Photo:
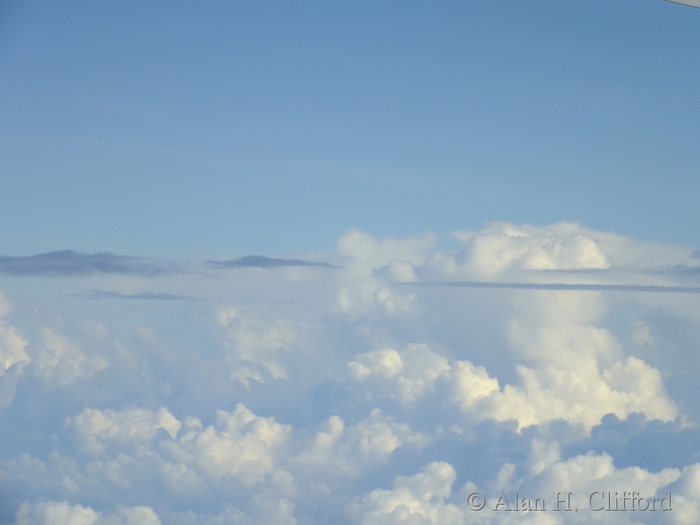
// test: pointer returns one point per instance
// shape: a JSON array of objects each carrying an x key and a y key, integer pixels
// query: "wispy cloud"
[
  {"x": 148, "y": 296},
  {"x": 259, "y": 261},
  {"x": 69, "y": 263},
  {"x": 560, "y": 286},
  {"x": 678, "y": 268}
]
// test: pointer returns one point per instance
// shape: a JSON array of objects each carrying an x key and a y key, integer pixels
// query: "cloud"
[
  {"x": 240, "y": 444},
  {"x": 409, "y": 374},
  {"x": 430, "y": 497},
  {"x": 581, "y": 393},
  {"x": 561, "y": 286},
  {"x": 363, "y": 290},
  {"x": 145, "y": 455},
  {"x": 50, "y": 512},
  {"x": 316, "y": 396},
  {"x": 416, "y": 500},
  {"x": 69, "y": 263},
  {"x": 638, "y": 441},
  {"x": 348, "y": 451},
  {"x": 98, "y": 428},
  {"x": 505, "y": 247},
  {"x": 259, "y": 261},
  {"x": 61, "y": 361},
  {"x": 12, "y": 348},
  {"x": 256, "y": 342},
  {"x": 143, "y": 296},
  {"x": 13, "y": 355}
]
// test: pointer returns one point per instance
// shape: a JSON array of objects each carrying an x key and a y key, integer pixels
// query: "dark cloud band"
[
  {"x": 69, "y": 263},
  {"x": 148, "y": 296},
  {"x": 561, "y": 286},
  {"x": 259, "y": 261}
]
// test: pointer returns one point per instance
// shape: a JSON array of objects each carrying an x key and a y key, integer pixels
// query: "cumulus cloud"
[
  {"x": 417, "y": 499},
  {"x": 349, "y": 450},
  {"x": 638, "y": 441},
  {"x": 239, "y": 444},
  {"x": 504, "y": 247},
  {"x": 13, "y": 356},
  {"x": 582, "y": 393},
  {"x": 255, "y": 342},
  {"x": 62, "y": 361},
  {"x": 361, "y": 292},
  {"x": 98, "y": 428},
  {"x": 430, "y": 497},
  {"x": 519, "y": 361},
  {"x": 12, "y": 348},
  {"x": 408, "y": 374},
  {"x": 51, "y": 512}
]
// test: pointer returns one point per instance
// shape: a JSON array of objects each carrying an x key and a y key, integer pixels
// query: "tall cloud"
[{"x": 296, "y": 390}]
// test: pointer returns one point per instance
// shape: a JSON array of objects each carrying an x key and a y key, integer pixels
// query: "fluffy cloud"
[
  {"x": 361, "y": 292},
  {"x": 61, "y": 361},
  {"x": 239, "y": 444},
  {"x": 504, "y": 247},
  {"x": 581, "y": 393},
  {"x": 13, "y": 356},
  {"x": 98, "y": 428},
  {"x": 687, "y": 496},
  {"x": 355, "y": 390},
  {"x": 410, "y": 374},
  {"x": 350, "y": 450},
  {"x": 52, "y": 512},
  {"x": 429, "y": 497},
  {"x": 255, "y": 342},
  {"x": 417, "y": 499}
]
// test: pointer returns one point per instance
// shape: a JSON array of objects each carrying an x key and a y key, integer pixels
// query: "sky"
[
  {"x": 366, "y": 263},
  {"x": 174, "y": 129}
]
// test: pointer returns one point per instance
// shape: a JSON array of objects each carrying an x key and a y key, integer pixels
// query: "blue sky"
[
  {"x": 299, "y": 263},
  {"x": 180, "y": 129}
]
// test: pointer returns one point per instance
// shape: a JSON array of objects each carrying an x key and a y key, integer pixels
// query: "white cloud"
[
  {"x": 13, "y": 356},
  {"x": 125, "y": 406},
  {"x": 255, "y": 342},
  {"x": 5, "y": 305},
  {"x": 350, "y": 450},
  {"x": 504, "y": 247},
  {"x": 98, "y": 428},
  {"x": 55, "y": 513},
  {"x": 687, "y": 496},
  {"x": 580, "y": 393},
  {"x": 60, "y": 360},
  {"x": 582, "y": 396},
  {"x": 266, "y": 511},
  {"x": 641, "y": 333},
  {"x": 239, "y": 444},
  {"x": 128, "y": 448},
  {"x": 417, "y": 500},
  {"x": 362, "y": 291},
  {"x": 410, "y": 373},
  {"x": 428, "y": 497}
]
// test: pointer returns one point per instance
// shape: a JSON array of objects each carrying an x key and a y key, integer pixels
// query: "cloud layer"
[
  {"x": 69, "y": 263},
  {"x": 301, "y": 395}
]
